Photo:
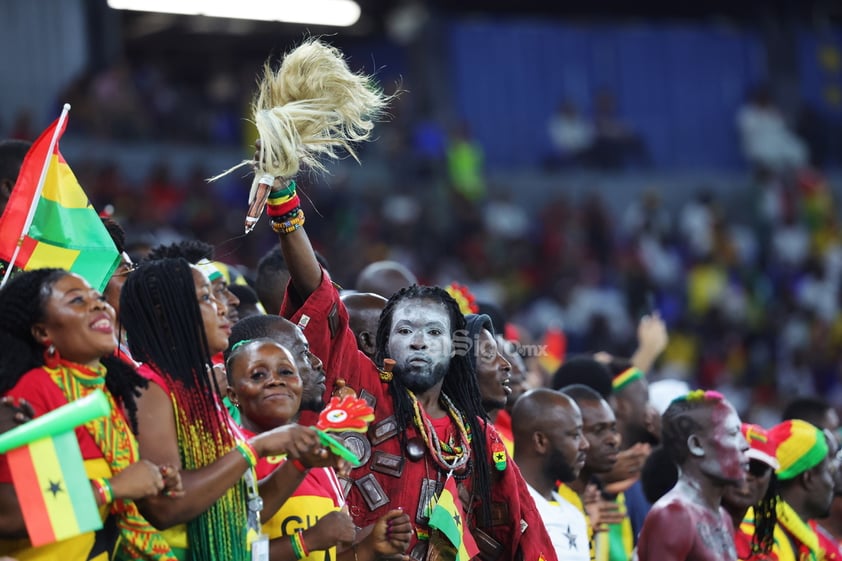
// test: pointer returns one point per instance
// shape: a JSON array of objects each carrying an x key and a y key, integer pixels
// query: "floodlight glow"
[{"x": 340, "y": 13}]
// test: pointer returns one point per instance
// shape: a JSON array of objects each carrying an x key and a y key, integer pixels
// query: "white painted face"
[{"x": 420, "y": 343}]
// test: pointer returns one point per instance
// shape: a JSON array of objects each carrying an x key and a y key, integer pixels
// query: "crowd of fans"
[{"x": 747, "y": 278}]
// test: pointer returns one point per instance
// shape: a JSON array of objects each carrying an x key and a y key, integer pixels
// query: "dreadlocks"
[
  {"x": 766, "y": 518},
  {"x": 460, "y": 385},
  {"x": 22, "y": 304},
  {"x": 164, "y": 327}
]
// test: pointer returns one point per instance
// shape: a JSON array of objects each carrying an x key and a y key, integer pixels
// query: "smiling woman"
[
  {"x": 58, "y": 339},
  {"x": 174, "y": 325}
]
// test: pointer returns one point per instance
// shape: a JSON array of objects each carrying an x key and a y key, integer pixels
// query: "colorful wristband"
[
  {"x": 103, "y": 490},
  {"x": 248, "y": 452},
  {"x": 284, "y": 207},
  {"x": 298, "y": 548}
]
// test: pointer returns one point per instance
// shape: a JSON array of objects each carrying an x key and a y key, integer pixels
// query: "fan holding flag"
[{"x": 58, "y": 338}]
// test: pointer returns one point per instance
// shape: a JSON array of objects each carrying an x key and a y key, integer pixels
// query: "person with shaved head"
[
  {"x": 363, "y": 317},
  {"x": 550, "y": 447},
  {"x": 384, "y": 278}
]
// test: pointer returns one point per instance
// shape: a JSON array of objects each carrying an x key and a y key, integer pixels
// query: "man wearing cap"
[
  {"x": 805, "y": 480},
  {"x": 701, "y": 433}
]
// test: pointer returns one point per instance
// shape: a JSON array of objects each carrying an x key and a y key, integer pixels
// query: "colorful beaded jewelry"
[
  {"x": 289, "y": 226},
  {"x": 449, "y": 458}
]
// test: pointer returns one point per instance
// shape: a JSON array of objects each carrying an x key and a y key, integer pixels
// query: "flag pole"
[{"x": 34, "y": 205}]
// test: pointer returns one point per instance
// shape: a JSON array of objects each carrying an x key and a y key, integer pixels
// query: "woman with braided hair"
[
  {"x": 58, "y": 340},
  {"x": 174, "y": 325}
]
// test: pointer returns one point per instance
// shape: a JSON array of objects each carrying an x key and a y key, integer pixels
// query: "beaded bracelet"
[
  {"x": 245, "y": 448},
  {"x": 289, "y": 226},
  {"x": 103, "y": 490}
]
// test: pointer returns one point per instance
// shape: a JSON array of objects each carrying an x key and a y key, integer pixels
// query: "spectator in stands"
[
  {"x": 767, "y": 139},
  {"x": 572, "y": 137}
]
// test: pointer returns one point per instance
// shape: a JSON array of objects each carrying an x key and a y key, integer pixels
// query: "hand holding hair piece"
[{"x": 307, "y": 110}]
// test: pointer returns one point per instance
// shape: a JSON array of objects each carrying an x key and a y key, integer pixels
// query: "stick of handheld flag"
[
  {"x": 34, "y": 205},
  {"x": 57, "y": 421}
]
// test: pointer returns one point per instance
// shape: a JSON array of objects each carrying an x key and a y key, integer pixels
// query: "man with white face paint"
[
  {"x": 429, "y": 420},
  {"x": 701, "y": 433}
]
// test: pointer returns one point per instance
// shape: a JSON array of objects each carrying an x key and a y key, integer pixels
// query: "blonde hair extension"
[{"x": 310, "y": 107}]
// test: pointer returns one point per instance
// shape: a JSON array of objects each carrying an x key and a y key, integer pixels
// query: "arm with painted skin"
[
  {"x": 667, "y": 535},
  {"x": 158, "y": 441}
]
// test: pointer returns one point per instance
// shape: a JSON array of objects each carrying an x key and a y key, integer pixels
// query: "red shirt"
[
  {"x": 44, "y": 395},
  {"x": 324, "y": 320}
]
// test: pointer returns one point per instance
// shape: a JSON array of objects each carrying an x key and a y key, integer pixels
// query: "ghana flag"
[
  {"x": 48, "y": 472},
  {"x": 49, "y": 222},
  {"x": 448, "y": 517}
]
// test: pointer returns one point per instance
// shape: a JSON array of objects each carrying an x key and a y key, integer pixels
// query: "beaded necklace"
[
  {"x": 116, "y": 441},
  {"x": 448, "y": 457}
]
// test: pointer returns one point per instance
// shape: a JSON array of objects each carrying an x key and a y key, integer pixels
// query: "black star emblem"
[
  {"x": 571, "y": 539},
  {"x": 499, "y": 456},
  {"x": 55, "y": 488},
  {"x": 458, "y": 520}
]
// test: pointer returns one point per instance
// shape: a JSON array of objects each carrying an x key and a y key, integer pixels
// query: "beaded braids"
[
  {"x": 460, "y": 385},
  {"x": 164, "y": 327},
  {"x": 22, "y": 303}
]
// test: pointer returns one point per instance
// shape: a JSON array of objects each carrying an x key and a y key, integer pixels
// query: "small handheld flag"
[
  {"x": 448, "y": 517},
  {"x": 48, "y": 472}
]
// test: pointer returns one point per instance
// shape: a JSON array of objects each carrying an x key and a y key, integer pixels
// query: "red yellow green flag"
[
  {"x": 51, "y": 219},
  {"x": 48, "y": 472},
  {"x": 448, "y": 517},
  {"x": 58, "y": 502}
]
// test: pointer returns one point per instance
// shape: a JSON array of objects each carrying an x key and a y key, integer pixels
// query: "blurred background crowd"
[{"x": 579, "y": 167}]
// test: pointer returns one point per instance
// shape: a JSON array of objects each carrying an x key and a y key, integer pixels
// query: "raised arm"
[{"x": 305, "y": 271}]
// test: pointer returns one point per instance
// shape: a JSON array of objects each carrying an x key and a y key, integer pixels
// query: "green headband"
[{"x": 625, "y": 378}]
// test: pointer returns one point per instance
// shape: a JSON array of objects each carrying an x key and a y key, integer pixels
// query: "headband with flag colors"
[
  {"x": 800, "y": 447},
  {"x": 49, "y": 221},
  {"x": 211, "y": 270},
  {"x": 761, "y": 447},
  {"x": 625, "y": 378}
]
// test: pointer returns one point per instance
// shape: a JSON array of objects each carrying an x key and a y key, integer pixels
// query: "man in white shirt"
[{"x": 550, "y": 447}]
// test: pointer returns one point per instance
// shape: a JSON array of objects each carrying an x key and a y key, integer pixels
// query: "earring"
[{"x": 51, "y": 356}]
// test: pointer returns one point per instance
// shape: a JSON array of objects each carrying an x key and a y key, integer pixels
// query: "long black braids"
[
  {"x": 766, "y": 518},
  {"x": 460, "y": 385},
  {"x": 160, "y": 312},
  {"x": 22, "y": 303}
]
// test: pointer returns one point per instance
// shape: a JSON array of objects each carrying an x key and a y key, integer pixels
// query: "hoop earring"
[{"x": 51, "y": 356}]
